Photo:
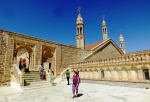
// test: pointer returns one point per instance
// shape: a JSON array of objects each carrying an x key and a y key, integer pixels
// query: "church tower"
[
  {"x": 104, "y": 29},
  {"x": 80, "y": 31},
  {"x": 122, "y": 45}
]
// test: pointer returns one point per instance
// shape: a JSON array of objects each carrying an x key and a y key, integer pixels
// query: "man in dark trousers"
[{"x": 68, "y": 76}]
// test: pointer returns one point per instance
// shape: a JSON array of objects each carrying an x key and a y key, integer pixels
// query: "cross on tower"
[
  {"x": 120, "y": 31},
  {"x": 103, "y": 16},
  {"x": 79, "y": 9}
]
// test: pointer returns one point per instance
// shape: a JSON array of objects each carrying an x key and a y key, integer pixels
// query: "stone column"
[
  {"x": 140, "y": 75},
  {"x": 38, "y": 56},
  {"x": 106, "y": 75},
  {"x": 149, "y": 73},
  {"x": 120, "y": 75},
  {"x": 129, "y": 75},
  {"x": 100, "y": 76},
  {"x": 50, "y": 76},
  {"x": 112, "y": 74}
]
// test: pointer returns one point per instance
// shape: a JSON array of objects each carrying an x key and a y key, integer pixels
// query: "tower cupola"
[
  {"x": 104, "y": 29},
  {"x": 121, "y": 40},
  {"x": 80, "y": 31}
]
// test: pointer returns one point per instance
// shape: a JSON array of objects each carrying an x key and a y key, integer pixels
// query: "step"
[
  {"x": 32, "y": 76},
  {"x": 37, "y": 85}
]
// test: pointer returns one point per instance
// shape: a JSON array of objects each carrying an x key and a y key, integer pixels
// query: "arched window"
[
  {"x": 105, "y": 30},
  {"x": 80, "y": 30}
]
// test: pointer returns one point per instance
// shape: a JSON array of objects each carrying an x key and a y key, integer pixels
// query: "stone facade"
[
  {"x": 108, "y": 51},
  {"x": 35, "y": 51},
  {"x": 106, "y": 62},
  {"x": 132, "y": 67}
]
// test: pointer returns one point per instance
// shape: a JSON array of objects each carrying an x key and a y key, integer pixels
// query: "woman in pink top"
[{"x": 75, "y": 84}]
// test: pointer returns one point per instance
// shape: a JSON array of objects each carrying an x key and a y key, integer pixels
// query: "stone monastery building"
[{"x": 102, "y": 60}]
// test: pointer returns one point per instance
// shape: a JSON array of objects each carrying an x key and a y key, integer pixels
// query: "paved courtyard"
[{"x": 87, "y": 93}]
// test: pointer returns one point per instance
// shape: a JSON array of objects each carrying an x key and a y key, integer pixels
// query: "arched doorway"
[
  {"x": 102, "y": 74},
  {"x": 145, "y": 74},
  {"x": 23, "y": 57}
]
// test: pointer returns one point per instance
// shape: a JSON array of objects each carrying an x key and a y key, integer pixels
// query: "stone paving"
[
  {"x": 125, "y": 84},
  {"x": 87, "y": 93}
]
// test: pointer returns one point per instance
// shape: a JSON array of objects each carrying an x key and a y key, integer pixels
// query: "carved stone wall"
[
  {"x": 6, "y": 53},
  {"x": 108, "y": 51},
  {"x": 2, "y": 55}
]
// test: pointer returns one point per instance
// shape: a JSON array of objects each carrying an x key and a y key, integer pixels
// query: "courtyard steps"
[
  {"x": 32, "y": 76},
  {"x": 36, "y": 85},
  {"x": 33, "y": 81}
]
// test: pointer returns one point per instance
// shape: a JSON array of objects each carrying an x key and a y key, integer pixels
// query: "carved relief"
[{"x": 46, "y": 53}]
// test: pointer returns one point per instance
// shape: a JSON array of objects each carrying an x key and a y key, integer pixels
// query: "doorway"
[
  {"x": 145, "y": 74},
  {"x": 102, "y": 74}
]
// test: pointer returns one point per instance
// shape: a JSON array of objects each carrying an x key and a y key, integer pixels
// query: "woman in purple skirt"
[{"x": 75, "y": 84}]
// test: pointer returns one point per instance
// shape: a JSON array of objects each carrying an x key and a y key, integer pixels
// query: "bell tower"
[
  {"x": 121, "y": 40},
  {"x": 104, "y": 29},
  {"x": 80, "y": 31}
]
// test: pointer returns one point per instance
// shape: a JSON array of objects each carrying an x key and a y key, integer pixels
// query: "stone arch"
[
  {"x": 145, "y": 72},
  {"x": 23, "y": 57},
  {"x": 46, "y": 53},
  {"x": 29, "y": 50},
  {"x": 144, "y": 67}
]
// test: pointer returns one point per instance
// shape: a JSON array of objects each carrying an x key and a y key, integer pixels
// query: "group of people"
[
  {"x": 22, "y": 63},
  {"x": 76, "y": 81},
  {"x": 43, "y": 74}
]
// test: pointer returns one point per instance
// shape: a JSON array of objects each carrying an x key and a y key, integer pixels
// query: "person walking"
[
  {"x": 41, "y": 71},
  {"x": 20, "y": 64},
  {"x": 52, "y": 77},
  {"x": 68, "y": 76},
  {"x": 75, "y": 84}
]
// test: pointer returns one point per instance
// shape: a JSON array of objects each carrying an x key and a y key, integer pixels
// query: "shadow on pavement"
[{"x": 79, "y": 95}]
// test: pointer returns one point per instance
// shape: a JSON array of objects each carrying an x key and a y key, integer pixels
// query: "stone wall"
[
  {"x": 6, "y": 56},
  {"x": 108, "y": 51},
  {"x": 68, "y": 55},
  {"x": 2, "y": 56}
]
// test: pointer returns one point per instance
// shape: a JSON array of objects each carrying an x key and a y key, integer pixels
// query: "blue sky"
[{"x": 55, "y": 20}]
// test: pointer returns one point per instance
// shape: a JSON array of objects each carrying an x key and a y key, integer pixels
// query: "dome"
[
  {"x": 103, "y": 23},
  {"x": 79, "y": 19},
  {"x": 121, "y": 38}
]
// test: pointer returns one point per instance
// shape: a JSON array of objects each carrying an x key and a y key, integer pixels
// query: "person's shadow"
[{"x": 79, "y": 95}]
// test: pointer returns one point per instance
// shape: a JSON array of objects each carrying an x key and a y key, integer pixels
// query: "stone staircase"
[
  {"x": 33, "y": 81},
  {"x": 32, "y": 76}
]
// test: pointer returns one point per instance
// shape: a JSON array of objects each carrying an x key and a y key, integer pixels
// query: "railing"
[
  {"x": 48, "y": 75},
  {"x": 18, "y": 77},
  {"x": 62, "y": 75},
  {"x": 131, "y": 58}
]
